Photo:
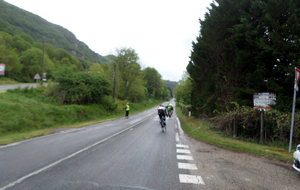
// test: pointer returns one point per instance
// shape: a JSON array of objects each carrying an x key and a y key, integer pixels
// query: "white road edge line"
[
  {"x": 63, "y": 159},
  {"x": 177, "y": 137},
  {"x": 191, "y": 179},
  {"x": 12, "y": 144}
]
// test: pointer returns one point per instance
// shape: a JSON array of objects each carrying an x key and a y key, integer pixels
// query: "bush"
[
  {"x": 109, "y": 103},
  {"x": 185, "y": 109},
  {"x": 80, "y": 87}
]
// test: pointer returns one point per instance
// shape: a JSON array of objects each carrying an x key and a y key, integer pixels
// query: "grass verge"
[
  {"x": 4, "y": 80},
  {"x": 27, "y": 115},
  {"x": 201, "y": 130}
]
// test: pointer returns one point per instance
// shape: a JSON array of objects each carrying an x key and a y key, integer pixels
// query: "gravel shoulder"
[{"x": 225, "y": 169}]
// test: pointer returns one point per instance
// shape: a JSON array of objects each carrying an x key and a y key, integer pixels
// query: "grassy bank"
[
  {"x": 4, "y": 80},
  {"x": 203, "y": 131},
  {"x": 30, "y": 114}
]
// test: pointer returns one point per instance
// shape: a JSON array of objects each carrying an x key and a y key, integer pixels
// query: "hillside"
[
  {"x": 14, "y": 20},
  {"x": 170, "y": 84}
]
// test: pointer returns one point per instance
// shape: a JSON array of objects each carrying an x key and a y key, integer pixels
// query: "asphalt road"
[
  {"x": 14, "y": 86},
  {"x": 122, "y": 154},
  {"x": 134, "y": 154}
]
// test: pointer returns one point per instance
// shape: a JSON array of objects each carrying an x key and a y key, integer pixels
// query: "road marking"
[
  {"x": 191, "y": 179},
  {"x": 12, "y": 144},
  {"x": 187, "y": 166},
  {"x": 178, "y": 122},
  {"x": 182, "y": 146},
  {"x": 184, "y": 157},
  {"x": 184, "y": 151},
  {"x": 66, "y": 158},
  {"x": 177, "y": 137}
]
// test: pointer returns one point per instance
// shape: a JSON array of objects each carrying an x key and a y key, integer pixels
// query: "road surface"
[
  {"x": 134, "y": 154},
  {"x": 14, "y": 86}
]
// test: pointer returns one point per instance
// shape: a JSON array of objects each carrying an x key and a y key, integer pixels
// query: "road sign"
[
  {"x": 297, "y": 75},
  {"x": 37, "y": 76},
  {"x": 264, "y": 100},
  {"x": 2, "y": 69}
]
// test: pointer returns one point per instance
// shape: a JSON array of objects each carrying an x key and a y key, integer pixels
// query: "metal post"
[
  {"x": 293, "y": 115},
  {"x": 261, "y": 126},
  {"x": 114, "y": 81},
  {"x": 43, "y": 61}
]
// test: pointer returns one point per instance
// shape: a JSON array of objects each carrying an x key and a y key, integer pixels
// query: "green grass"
[
  {"x": 30, "y": 114},
  {"x": 202, "y": 131},
  {"x": 4, "y": 80}
]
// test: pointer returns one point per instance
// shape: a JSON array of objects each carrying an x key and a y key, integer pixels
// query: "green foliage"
[
  {"x": 28, "y": 109},
  {"x": 185, "y": 109},
  {"x": 245, "y": 47},
  {"x": 109, "y": 103},
  {"x": 81, "y": 87},
  {"x": 184, "y": 89},
  {"x": 129, "y": 69},
  {"x": 153, "y": 81}
]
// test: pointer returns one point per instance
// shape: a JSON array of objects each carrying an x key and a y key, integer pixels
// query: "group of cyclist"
[{"x": 164, "y": 111}]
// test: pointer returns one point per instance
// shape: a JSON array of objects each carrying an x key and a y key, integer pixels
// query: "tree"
[
  {"x": 184, "y": 89},
  {"x": 244, "y": 47},
  {"x": 32, "y": 62},
  {"x": 153, "y": 81},
  {"x": 129, "y": 68}
]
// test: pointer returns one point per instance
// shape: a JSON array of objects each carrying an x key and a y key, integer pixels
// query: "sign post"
[{"x": 297, "y": 75}]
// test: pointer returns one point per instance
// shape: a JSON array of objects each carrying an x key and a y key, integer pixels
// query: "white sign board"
[{"x": 264, "y": 100}]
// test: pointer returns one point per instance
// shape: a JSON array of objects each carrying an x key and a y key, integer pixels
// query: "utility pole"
[
  {"x": 43, "y": 62},
  {"x": 114, "y": 80}
]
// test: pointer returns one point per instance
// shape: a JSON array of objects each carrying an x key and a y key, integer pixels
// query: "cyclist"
[
  {"x": 166, "y": 106},
  {"x": 161, "y": 113},
  {"x": 170, "y": 110}
]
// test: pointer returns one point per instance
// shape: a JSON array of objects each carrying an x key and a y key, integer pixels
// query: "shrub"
[{"x": 80, "y": 87}]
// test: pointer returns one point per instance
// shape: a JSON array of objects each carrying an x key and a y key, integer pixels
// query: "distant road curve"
[{"x": 13, "y": 86}]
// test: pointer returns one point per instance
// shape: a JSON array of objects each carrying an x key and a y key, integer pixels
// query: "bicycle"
[
  {"x": 170, "y": 114},
  {"x": 163, "y": 124}
]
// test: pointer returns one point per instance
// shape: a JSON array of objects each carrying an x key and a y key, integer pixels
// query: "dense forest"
[{"x": 245, "y": 47}]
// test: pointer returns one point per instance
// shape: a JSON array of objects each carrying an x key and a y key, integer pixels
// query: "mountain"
[{"x": 14, "y": 21}]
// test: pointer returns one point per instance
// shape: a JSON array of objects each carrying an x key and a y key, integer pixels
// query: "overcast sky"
[{"x": 160, "y": 31}]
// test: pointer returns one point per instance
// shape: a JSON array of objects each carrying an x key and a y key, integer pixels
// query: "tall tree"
[
  {"x": 153, "y": 81},
  {"x": 129, "y": 68},
  {"x": 244, "y": 47}
]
